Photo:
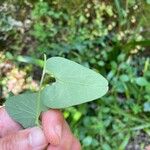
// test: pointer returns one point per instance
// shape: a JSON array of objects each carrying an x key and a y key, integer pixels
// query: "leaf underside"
[
  {"x": 74, "y": 84},
  {"x": 22, "y": 108}
]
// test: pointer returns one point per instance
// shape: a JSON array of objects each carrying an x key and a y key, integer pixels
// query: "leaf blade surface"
[
  {"x": 22, "y": 109},
  {"x": 74, "y": 84}
]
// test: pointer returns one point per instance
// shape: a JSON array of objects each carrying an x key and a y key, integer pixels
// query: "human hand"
[{"x": 54, "y": 135}]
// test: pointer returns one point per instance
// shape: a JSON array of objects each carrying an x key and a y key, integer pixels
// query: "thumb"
[
  {"x": 52, "y": 123},
  {"x": 29, "y": 139}
]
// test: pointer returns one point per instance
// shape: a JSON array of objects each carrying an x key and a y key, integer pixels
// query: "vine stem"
[{"x": 38, "y": 109}]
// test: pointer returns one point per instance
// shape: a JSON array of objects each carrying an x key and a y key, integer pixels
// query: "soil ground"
[{"x": 140, "y": 142}]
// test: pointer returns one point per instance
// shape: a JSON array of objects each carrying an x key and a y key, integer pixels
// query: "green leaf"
[
  {"x": 87, "y": 141},
  {"x": 106, "y": 146},
  {"x": 141, "y": 81},
  {"x": 23, "y": 109},
  {"x": 25, "y": 59},
  {"x": 147, "y": 106},
  {"x": 124, "y": 78},
  {"x": 74, "y": 84},
  {"x": 124, "y": 142},
  {"x": 148, "y": 1}
]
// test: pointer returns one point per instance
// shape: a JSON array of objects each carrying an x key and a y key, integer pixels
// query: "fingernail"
[
  {"x": 58, "y": 130},
  {"x": 36, "y": 137}
]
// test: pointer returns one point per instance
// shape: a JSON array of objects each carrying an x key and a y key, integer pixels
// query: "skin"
[{"x": 54, "y": 135}]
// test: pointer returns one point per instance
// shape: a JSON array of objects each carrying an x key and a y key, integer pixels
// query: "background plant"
[{"x": 110, "y": 37}]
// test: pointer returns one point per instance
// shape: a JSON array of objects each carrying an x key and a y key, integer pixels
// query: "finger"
[
  {"x": 7, "y": 125},
  {"x": 52, "y": 122},
  {"x": 66, "y": 140},
  {"x": 29, "y": 139},
  {"x": 75, "y": 144},
  {"x": 147, "y": 148}
]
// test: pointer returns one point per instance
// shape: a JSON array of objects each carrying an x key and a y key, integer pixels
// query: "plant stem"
[{"x": 39, "y": 94}]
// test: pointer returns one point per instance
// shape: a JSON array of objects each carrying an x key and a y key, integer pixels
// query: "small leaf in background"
[
  {"x": 22, "y": 108},
  {"x": 74, "y": 84},
  {"x": 87, "y": 141},
  {"x": 147, "y": 106},
  {"x": 124, "y": 142},
  {"x": 148, "y": 1},
  {"x": 124, "y": 78},
  {"x": 119, "y": 87},
  {"x": 141, "y": 81},
  {"x": 106, "y": 146}
]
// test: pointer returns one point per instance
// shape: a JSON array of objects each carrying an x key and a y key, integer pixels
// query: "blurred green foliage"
[{"x": 110, "y": 37}]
